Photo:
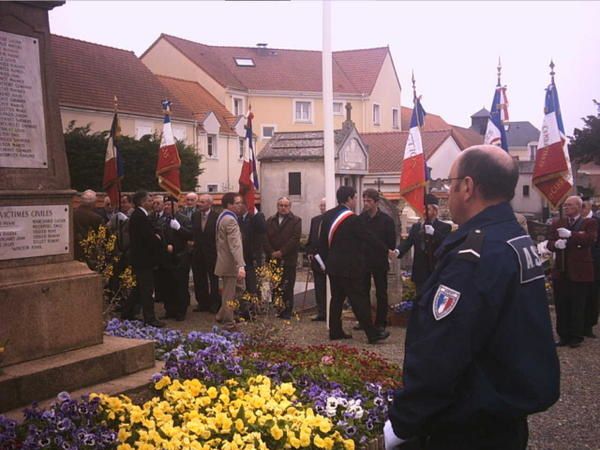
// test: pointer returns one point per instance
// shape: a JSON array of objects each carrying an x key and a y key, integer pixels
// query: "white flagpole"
[{"x": 328, "y": 140}]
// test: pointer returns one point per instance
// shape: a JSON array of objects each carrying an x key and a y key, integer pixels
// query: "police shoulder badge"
[{"x": 444, "y": 301}]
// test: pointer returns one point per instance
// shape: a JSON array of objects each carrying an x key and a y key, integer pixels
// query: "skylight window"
[{"x": 244, "y": 62}]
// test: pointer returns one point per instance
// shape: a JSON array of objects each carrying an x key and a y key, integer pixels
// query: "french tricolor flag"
[
  {"x": 167, "y": 167},
  {"x": 249, "y": 175},
  {"x": 413, "y": 177},
  {"x": 552, "y": 173},
  {"x": 113, "y": 165},
  {"x": 495, "y": 133}
]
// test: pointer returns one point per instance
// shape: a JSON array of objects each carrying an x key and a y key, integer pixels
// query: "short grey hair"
[{"x": 88, "y": 197}]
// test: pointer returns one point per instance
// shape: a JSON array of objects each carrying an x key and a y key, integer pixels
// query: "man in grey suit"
[{"x": 230, "y": 256}]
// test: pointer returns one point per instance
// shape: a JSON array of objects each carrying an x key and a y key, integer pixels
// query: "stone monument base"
[{"x": 49, "y": 309}]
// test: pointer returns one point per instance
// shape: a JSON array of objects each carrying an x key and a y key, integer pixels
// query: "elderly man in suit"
[
  {"x": 572, "y": 238},
  {"x": 592, "y": 305},
  {"x": 84, "y": 220},
  {"x": 145, "y": 247},
  {"x": 426, "y": 238},
  {"x": 204, "y": 257},
  {"x": 282, "y": 243},
  {"x": 342, "y": 243},
  {"x": 318, "y": 273},
  {"x": 230, "y": 256}
]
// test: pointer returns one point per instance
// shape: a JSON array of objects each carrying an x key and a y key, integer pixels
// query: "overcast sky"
[{"x": 453, "y": 47}]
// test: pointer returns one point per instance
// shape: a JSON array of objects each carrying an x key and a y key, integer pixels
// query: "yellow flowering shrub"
[{"x": 190, "y": 415}]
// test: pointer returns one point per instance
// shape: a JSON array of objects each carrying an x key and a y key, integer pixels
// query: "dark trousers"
[
  {"x": 591, "y": 307},
  {"x": 251, "y": 283},
  {"x": 143, "y": 293},
  {"x": 206, "y": 287},
  {"x": 320, "y": 280},
  {"x": 354, "y": 290},
  {"x": 176, "y": 304},
  {"x": 571, "y": 297},
  {"x": 381, "y": 293},
  {"x": 288, "y": 280},
  {"x": 163, "y": 285}
]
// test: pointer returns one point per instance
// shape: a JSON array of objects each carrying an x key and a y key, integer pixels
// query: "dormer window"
[{"x": 244, "y": 62}]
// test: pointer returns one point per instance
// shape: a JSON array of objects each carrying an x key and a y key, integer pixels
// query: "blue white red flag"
[
  {"x": 113, "y": 165},
  {"x": 495, "y": 133},
  {"x": 552, "y": 173},
  {"x": 414, "y": 172},
  {"x": 168, "y": 164},
  {"x": 249, "y": 174}
]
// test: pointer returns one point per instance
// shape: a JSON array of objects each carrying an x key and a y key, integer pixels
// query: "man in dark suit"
[
  {"x": 204, "y": 258},
  {"x": 426, "y": 239},
  {"x": 383, "y": 228},
  {"x": 145, "y": 254},
  {"x": 592, "y": 305},
  {"x": 253, "y": 228},
  {"x": 282, "y": 243},
  {"x": 572, "y": 238},
  {"x": 342, "y": 244},
  {"x": 319, "y": 276}
]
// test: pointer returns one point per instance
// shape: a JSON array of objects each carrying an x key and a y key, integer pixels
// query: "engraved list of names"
[
  {"x": 28, "y": 231},
  {"x": 22, "y": 126}
]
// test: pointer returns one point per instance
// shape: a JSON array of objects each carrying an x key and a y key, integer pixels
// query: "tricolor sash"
[
  {"x": 342, "y": 216},
  {"x": 223, "y": 214}
]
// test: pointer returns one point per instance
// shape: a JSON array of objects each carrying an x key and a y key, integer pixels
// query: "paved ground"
[{"x": 571, "y": 424}]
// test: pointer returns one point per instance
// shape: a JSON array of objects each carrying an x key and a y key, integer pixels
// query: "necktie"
[{"x": 203, "y": 221}]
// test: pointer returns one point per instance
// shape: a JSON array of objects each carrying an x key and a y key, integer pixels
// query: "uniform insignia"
[
  {"x": 471, "y": 247},
  {"x": 529, "y": 261},
  {"x": 444, "y": 301}
]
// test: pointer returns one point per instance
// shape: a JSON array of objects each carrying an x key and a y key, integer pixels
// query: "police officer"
[{"x": 479, "y": 352}]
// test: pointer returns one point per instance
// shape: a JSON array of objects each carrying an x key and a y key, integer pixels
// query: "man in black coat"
[
  {"x": 319, "y": 276},
  {"x": 426, "y": 239},
  {"x": 204, "y": 258},
  {"x": 145, "y": 255},
  {"x": 342, "y": 244},
  {"x": 592, "y": 304},
  {"x": 253, "y": 228},
  {"x": 382, "y": 227}
]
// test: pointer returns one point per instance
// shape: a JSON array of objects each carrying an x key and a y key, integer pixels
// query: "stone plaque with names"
[
  {"x": 22, "y": 124},
  {"x": 38, "y": 230}
]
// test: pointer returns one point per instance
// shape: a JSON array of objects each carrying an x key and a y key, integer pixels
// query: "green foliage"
[
  {"x": 86, "y": 150},
  {"x": 585, "y": 142}
]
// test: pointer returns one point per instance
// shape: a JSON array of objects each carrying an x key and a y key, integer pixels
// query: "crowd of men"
[{"x": 479, "y": 353}]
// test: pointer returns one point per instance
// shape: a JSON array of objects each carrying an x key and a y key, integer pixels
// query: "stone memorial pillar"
[{"x": 49, "y": 303}]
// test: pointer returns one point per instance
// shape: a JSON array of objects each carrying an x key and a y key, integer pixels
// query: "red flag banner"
[
  {"x": 248, "y": 175},
  {"x": 552, "y": 174},
  {"x": 111, "y": 181},
  {"x": 167, "y": 167}
]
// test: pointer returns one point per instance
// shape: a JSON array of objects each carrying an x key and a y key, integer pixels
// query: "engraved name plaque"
[
  {"x": 28, "y": 231},
  {"x": 22, "y": 125}
]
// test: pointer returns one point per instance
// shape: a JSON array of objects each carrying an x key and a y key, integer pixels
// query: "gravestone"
[{"x": 49, "y": 303}]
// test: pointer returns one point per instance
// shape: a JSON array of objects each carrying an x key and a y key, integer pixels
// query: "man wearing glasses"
[{"x": 479, "y": 352}]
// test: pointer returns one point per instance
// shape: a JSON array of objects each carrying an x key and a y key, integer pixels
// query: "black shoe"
[
  {"x": 576, "y": 343},
  {"x": 379, "y": 336},
  {"x": 358, "y": 326},
  {"x": 589, "y": 334},
  {"x": 561, "y": 343},
  {"x": 318, "y": 319},
  {"x": 155, "y": 323},
  {"x": 180, "y": 318},
  {"x": 337, "y": 337},
  {"x": 285, "y": 316}
]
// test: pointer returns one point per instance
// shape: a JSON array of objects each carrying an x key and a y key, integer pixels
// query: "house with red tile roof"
[
  {"x": 90, "y": 75},
  {"x": 284, "y": 86}
]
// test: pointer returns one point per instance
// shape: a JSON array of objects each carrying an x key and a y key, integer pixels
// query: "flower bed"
[{"x": 220, "y": 390}]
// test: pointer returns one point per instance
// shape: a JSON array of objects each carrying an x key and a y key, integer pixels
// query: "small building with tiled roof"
[
  {"x": 89, "y": 76},
  {"x": 292, "y": 166},
  {"x": 284, "y": 86}
]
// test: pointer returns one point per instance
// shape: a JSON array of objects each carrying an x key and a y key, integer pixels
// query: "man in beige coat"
[{"x": 230, "y": 256}]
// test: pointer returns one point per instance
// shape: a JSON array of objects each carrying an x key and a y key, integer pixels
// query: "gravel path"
[{"x": 573, "y": 423}]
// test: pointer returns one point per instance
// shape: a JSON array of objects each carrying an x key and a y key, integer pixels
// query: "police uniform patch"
[
  {"x": 444, "y": 301},
  {"x": 529, "y": 261}
]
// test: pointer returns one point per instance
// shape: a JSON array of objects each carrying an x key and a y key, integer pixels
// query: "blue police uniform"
[{"x": 479, "y": 352}]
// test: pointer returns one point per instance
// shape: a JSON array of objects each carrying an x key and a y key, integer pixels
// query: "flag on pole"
[
  {"x": 249, "y": 175},
  {"x": 167, "y": 167},
  {"x": 113, "y": 165},
  {"x": 552, "y": 174},
  {"x": 413, "y": 177},
  {"x": 495, "y": 133}
]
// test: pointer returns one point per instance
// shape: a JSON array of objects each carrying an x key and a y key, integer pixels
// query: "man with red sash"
[{"x": 342, "y": 243}]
